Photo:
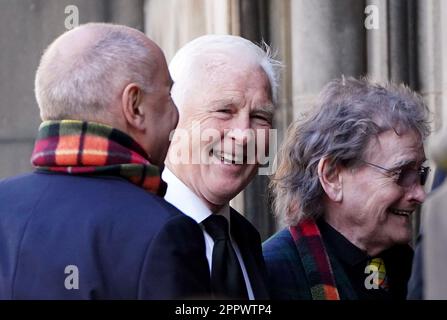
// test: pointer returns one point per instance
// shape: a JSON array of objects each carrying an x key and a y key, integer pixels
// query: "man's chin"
[
  {"x": 223, "y": 193},
  {"x": 402, "y": 237}
]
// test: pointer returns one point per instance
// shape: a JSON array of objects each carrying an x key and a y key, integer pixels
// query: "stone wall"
[
  {"x": 27, "y": 27},
  {"x": 316, "y": 39}
]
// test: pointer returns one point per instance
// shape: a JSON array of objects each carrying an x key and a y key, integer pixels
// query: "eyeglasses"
[{"x": 405, "y": 176}]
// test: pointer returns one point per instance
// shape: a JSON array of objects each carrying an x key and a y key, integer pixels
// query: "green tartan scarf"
[{"x": 93, "y": 149}]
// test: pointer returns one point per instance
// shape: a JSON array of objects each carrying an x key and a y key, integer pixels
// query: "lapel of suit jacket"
[{"x": 256, "y": 273}]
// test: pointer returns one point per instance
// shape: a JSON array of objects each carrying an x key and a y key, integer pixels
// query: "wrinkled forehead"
[
  {"x": 221, "y": 73},
  {"x": 392, "y": 147},
  {"x": 216, "y": 65}
]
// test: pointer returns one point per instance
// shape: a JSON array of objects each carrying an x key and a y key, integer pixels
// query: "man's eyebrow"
[
  {"x": 221, "y": 102},
  {"x": 405, "y": 162},
  {"x": 268, "y": 108}
]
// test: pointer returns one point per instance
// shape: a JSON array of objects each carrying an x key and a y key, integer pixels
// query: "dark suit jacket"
[
  {"x": 124, "y": 242},
  {"x": 416, "y": 284},
  {"x": 249, "y": 243},
  {"x": 286, "y": 276},
  {"x": 287, "y": 279}
]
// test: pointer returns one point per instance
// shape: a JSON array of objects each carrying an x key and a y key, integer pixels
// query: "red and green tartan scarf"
[
  {"x": 316, "y": 263},
  {"x": 93, "y": 149}
]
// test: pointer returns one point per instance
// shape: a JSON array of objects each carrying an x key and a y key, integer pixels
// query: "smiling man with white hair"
[{"x": 224, "y": 88}]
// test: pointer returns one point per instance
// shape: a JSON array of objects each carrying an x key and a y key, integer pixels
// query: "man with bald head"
[
  {"x": 224, "y": 87},
  {"x": 90, "y": 221}
]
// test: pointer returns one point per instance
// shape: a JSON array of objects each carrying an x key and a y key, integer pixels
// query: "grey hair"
[
  {"x": 184, "y": 64},
  {"x": 85, "y": 85},
  {"x": 347, "y": 115}
]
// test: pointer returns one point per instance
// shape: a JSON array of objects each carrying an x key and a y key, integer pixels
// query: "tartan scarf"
[
  {"x": 92, "y": 149},
  {"x": 316, "y": 263}
]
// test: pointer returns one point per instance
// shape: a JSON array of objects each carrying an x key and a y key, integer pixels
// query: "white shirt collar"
[{"x": 179, "y": 195}]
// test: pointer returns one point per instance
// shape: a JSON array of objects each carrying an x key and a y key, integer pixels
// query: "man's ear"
[
  {"x": 331, "y": 180},
  {"x": 131, "y": 103}
]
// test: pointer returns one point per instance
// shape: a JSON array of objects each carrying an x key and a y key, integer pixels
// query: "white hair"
[
  {"x": 84, "y": 84},
  {"x": 184, "y": 65}
]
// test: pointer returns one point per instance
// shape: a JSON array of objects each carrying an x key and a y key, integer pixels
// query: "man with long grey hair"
[
  {"x": 224, "y": 88},
  {"x": 350, "y": 175}
]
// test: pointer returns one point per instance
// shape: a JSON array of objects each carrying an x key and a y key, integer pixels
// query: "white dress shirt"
[{"x": 179, "y": 195}]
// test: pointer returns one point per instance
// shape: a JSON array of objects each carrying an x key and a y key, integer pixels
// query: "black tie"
[{"x": 227, "y": 280}]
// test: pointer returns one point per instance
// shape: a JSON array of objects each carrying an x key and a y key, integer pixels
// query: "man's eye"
[
  {"x": 397, "y": 174},
  {"x": 262, "y": 118},
  {"x": 404, "y": 174},
  {"x": 223, "y": 110}
]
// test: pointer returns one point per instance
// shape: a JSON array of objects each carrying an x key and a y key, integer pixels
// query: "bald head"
[
  {"x": 75, "y": 43},
  {"x": 83, "y": 72}
]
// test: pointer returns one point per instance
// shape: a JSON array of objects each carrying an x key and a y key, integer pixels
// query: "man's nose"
[
  {"x": 417, "y": 193},
  {"x": 240, "y": 130}
]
